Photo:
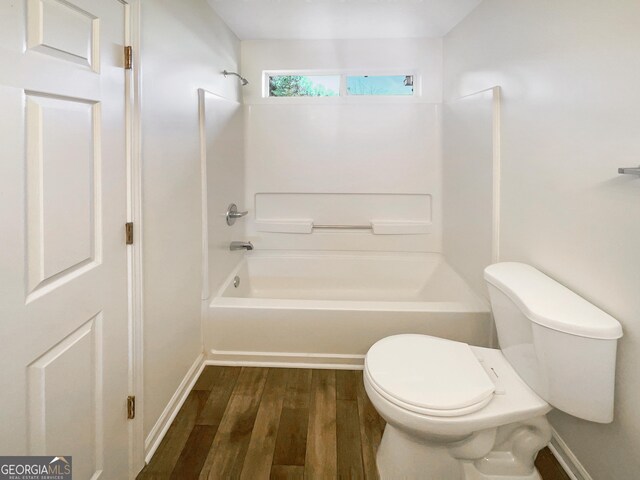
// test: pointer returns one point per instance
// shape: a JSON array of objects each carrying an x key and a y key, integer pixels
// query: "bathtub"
[{"x": 320, "y": 309}]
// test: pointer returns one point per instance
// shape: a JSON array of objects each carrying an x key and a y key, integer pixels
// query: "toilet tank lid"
[{"x": 550, "y": 304}]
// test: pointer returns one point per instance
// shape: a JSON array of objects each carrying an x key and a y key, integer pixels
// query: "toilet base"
[
  {"x": 503, "y": 453},
  {"x": 472, "y": 473}
]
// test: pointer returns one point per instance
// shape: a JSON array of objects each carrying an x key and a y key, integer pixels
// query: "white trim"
[
  {"x": 567, "y": 459},
  {"x": 159, "y": 430},
  {"x": 285, "y": 360},
  {"x": 134, "y": 252},
  {"x": 278, "y": 364},
  {"x": 350, "y": 100},
  {"x": 202, "y": 121},
  {"x": 497, "y": 105}
]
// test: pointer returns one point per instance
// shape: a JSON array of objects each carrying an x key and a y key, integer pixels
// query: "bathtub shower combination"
[{"x": 315, "y": 308}]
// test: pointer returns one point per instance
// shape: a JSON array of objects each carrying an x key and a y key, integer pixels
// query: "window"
[
  {"x": 336, "y": 85},
  {"x": 380, "y": 85},
  {"x": 304, "y": 85}
]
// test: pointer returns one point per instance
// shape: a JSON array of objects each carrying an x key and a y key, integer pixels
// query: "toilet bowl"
[
  {"x": 456, "y": 411},
  {"x": 444, "y": 403}
]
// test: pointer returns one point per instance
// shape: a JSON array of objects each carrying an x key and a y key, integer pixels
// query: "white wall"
[
  {"x": 338, "y": 145},
  {"x": 184, "y": 47},
  {"x": 569, "y": 73}
]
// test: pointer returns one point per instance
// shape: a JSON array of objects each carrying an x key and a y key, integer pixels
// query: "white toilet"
[{"x": 455, "y": 411}]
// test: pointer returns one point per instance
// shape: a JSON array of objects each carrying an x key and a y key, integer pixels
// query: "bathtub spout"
[{"x": 240, "y": 246}]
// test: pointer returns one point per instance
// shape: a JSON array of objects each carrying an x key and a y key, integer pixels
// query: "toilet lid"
[{"x": 428, "y": 375}]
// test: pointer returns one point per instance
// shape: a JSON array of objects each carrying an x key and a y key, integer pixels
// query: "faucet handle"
[
  {"x": 238, "y": 214},
  {"x": 233, "y": 213}
]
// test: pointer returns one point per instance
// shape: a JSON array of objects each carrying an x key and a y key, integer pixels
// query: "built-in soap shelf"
[
  {"x": 377, "y": 227},
  {"x": 372, "y": 213}
]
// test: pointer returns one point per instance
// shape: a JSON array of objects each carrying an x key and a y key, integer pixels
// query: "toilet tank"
[{"x": 561, "y": 345}]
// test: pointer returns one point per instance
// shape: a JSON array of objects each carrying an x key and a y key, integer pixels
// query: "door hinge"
[
  {"x": 128, "y": 57},
  {"x": 131, "y": 407},
  {"x": 128, "y": 233}
]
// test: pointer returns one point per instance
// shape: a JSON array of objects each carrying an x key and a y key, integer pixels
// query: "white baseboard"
[
  {"x": 567, "y": 459},
  {"x": 159, "y": 430},
  {"x": 285, "y": 360}
]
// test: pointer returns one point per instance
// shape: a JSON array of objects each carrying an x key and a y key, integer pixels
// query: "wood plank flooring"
[{"x": 278, "y": 423}]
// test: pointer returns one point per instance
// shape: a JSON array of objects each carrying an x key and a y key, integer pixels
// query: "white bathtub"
[{"x": 328, "y": 308}]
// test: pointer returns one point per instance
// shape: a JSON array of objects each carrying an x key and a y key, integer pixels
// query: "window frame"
[{"x": 343, "y": 96}]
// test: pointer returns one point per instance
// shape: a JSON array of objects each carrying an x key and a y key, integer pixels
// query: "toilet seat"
[{"x": 428, "y": 375}]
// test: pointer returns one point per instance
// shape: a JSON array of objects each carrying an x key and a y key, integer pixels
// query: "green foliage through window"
[{"x": 304, "y": 85}]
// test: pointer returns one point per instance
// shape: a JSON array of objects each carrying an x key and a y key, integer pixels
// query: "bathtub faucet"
[{"x": 240, "y": 246}]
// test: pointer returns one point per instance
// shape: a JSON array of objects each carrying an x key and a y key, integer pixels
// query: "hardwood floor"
[{"x": 260, "y": 423}]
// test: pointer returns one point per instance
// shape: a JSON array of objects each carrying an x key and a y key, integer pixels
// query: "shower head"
[{"x": 242, "y": 79}]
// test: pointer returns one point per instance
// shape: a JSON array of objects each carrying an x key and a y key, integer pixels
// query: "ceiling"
[{"x": 333, "y": 19}]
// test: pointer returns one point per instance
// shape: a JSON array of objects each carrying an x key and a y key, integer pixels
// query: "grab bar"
[{"x": 341, "y": 227}]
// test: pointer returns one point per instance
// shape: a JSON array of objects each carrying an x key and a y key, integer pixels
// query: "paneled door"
[{"x": 63, "y": 206}]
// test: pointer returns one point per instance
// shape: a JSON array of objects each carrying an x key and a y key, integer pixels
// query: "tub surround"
[{"x": 366, "y": 147}]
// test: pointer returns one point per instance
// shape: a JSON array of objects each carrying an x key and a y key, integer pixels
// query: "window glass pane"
[
  {"x": 380, "y": 85},
  {"x": 304, "y": 85}
]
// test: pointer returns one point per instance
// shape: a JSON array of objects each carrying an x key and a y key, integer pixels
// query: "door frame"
[{"x": 135, "y": 251}]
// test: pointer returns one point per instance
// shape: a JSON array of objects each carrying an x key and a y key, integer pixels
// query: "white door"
[{"x": 63, "y": 266}]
